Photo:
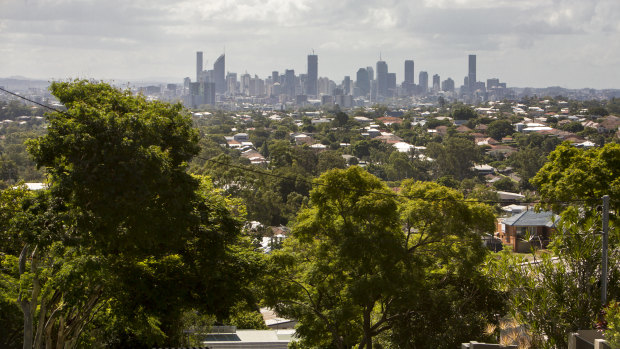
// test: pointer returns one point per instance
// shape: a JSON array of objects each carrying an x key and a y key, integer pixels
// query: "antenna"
[
  {"x": 312, "y": 51},
  {"x": 380, "y": 56}
]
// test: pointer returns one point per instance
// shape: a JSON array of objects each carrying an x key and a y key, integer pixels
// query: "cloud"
[{"x": 112, "y": 36}]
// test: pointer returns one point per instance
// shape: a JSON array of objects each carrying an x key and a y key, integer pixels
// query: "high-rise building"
[
  {"x": 423, "y": 82},
  {"x": 492, "y": 83},
  {"x": 312, "y": 78},
  {"x": 447, "y": 85},
  {"x": 231, "y": 83},
  {"x": 219, "y": 75},
  {"x": 409, "y": 74},
  {"x": 382, "y": 72},
  {"x": 362, "y": 82},
  {"x": 471, "y": 75},
  {"x": 391, "y": 84},
  {"x": 371, "y": 73},
  {"x": 289, "y": 82},
  {"x": 436, "y": 83},
  {"x": 275, "y": 77},
  {"x": 199, "y": 68},
  {"x": 346, "y": 85}
]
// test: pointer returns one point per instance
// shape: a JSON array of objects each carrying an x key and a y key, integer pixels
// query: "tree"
[
  {"x": 556, "y": 296},
  {"x": 499, "y": 129},
  {"x": 463, "y": 112},
  {"x": 455, "y": 156},
  {"x": 359, "y": 259},
  {"x": 121, "y": 216},
  {"x": 576, "y": 174}
]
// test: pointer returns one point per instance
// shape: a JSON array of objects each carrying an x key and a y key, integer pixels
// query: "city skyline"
[{"x": 527, "y": 43}]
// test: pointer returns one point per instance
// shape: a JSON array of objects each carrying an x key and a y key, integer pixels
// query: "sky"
[{"x": 525, "y": 43}]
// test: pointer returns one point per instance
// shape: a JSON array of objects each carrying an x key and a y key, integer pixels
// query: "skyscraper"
[
  {"x": 382, "y": 79},
  {"x": 311, "y": 80},
  {"x": 447, "y": 85},
  {"x": 423, "y": 82},
  {"x": 362, "y": 82},
  {"x": 409, "y": 72},
  {"x": 219, "y": 76},
  {"x": 346, "y": 85},
  {"x": 289, "y": 82},
  {"x": 472, "y": 74},
  {"x": 391, "y": 84},
  {"x": 198, "y": 65},
  {"x": 436, "y": 83},
  {"x": 371, "y": 73}
]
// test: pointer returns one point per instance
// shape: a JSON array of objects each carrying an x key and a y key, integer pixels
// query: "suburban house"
[{"x": 526, "y": 229}]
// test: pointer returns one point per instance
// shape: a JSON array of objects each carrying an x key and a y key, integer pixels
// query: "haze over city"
[{"x": 540, "y": 43}]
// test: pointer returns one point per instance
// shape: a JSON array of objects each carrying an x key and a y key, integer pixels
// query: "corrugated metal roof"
[{"x": 531, "y": 219}]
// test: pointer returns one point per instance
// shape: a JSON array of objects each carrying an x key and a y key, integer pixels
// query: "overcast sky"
[{"x": 569, "y": 43}]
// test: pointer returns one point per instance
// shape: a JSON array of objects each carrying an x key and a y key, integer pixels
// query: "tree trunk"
[
  {"x": 367, "y": 339},
  {"x": 25, "y": 305}
]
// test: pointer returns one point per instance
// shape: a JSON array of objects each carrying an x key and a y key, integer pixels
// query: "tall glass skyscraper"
[
  {"x": 313, "y": 75},
  {"x": 471, "y": 75}
]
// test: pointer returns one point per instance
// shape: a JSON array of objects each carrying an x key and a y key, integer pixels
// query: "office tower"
[
  {"x": 231, "y": 83},
  {"x": 275, "y": 77},
  {"x": 471, "y": 76},
  {"x": 436, "y": 83},
  {"x": 219, "y": 76},
  {"x": 409, "y": 72},
  {"x": 346, "y": 85},
  {"x": 447, "y": 85},
  {"x": 391, "y": 84},
  {"x": 312, "y": 78},
  {"x": 362, "y": 82},
  {"x": 371, "y": 73},
  {"x": 423, "y": 82},
  {"x": 382, "y": 72},
  {"x": 245, "y": 84},
  {"x": 492, "y": 83},
  {"x": 198, "y": 65},
  {"x": 289, "y": 82}
]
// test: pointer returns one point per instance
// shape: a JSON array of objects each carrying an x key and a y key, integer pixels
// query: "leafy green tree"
[
  {"x": 122, "y": 225},
  {"x": 463, "y": 112},
  {"x": 329, "y": 160},
  {"x": 505, "y": 184},
  {"x": 556, "y": 296},
  {"x": 341, "y": 118},
  {"x": 455, "y": 156},
  {"x": 576, "y": 174},
  {"x": 499, "y": 129},
  {"x": 574, "y": 127},
  {"x": 359, "y": 261},
  {"x": 599, "y": 110}
]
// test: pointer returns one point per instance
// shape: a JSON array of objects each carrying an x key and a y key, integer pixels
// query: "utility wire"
[
  {"x": 35, "y": 102},
  {"x": 316, "y": 182}
]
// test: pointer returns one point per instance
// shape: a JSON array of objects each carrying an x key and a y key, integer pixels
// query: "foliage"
[
  {"x": 455, "y": 156},
  {"x": 463, "y": 112},
  {"x": 101, "y": 254},
  {"x": 499, "y": 129},
  {"x": 557, "y": 295},
  {"x": 612, "y": 317},
  {"x": 350, "y": 273},
  {"x": 573, "y": 173}
]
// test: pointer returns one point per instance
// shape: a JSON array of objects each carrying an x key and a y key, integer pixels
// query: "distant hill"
[{"x": 18, "y": 83}]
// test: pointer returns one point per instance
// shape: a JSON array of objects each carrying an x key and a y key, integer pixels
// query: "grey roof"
[{"x": 532, "y": 219}]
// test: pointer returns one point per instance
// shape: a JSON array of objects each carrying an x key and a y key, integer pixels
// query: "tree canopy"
[
  {"x": 362, "y": 260},
  {"x": 120, "y": 227}
]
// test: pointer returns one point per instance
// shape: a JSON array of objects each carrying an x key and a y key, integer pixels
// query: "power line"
[
  {"x": 316, "y": 182},
  {"x": 35, "y": 102}
]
